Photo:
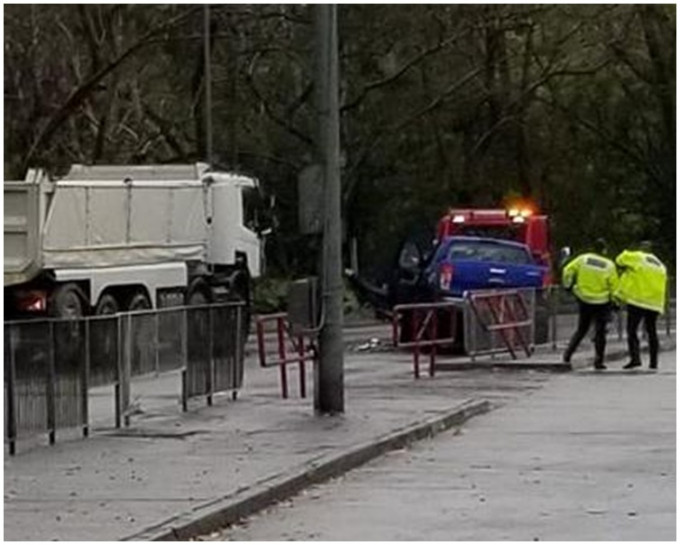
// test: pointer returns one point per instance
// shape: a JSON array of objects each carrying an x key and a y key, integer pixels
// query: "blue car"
[
  {"x": 463, "y": 263},
  {"x": 458, "y": 264}
]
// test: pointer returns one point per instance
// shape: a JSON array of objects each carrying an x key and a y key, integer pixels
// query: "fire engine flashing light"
[
  {"x": 518, "y": 219},
  {"x": 458, "y": 218},
  {"x": 519, "y": 213}
]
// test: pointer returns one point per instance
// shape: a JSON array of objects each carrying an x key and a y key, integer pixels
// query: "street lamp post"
[
  {"x": 208, "y": 85},
  {"x": 328, "y": 374}
]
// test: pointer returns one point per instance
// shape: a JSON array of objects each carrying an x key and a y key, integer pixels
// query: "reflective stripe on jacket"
[
  {"x": 643, "y": 280},
  {"x": 592, "y": 277}
]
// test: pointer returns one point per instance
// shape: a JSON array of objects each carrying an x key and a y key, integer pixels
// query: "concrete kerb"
[{"x": 229, "y": 509}]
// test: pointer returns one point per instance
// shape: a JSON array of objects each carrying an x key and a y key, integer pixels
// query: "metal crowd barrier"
[
  {"x": 424, "y": 326},
  {"x": 503, "y": 321},
  {"x": 285, "y": 340},
  {"x": 52, "y": 365},
  {"x": 500, "y": 321}
]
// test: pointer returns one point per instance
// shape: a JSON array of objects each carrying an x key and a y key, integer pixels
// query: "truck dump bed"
[
  {"x": 22, "y": 227},
  {"x": 104, "y": 216}
]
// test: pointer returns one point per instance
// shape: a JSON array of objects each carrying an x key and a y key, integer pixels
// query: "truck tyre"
[
  {"x": 198, "y": 293},
  {"x": 197, "y": 323},
  {"x": 139, "y": 301},
  {"x": 67, "y": 302},
  {"x": 242, "y": 294},
  {"x": 106, "y": 305}
]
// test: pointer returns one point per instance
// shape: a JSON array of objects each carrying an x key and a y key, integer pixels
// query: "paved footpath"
[
  {"x": 173, "y": 475},
  {"x": 589, "y": 457}
]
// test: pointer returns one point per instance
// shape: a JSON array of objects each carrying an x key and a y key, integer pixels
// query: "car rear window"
[{"x": 487, "y": 251}]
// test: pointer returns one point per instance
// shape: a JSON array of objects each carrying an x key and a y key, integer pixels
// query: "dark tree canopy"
[{"x": 570, "y": 105}]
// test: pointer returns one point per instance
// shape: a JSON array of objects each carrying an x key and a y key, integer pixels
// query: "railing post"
[
  {"x": 11, "y": 400},
  {"x": 85, "y": 382},
  {"x": 157, "y": 363},
  {"x": 127, "y": 372},
  {"x": 301, "y": 352},
  {"x": 282, "y": 356},
  {"x": 470, "y": 328},
  {"x": 118, "y": 388},
  {"x": 416, "y": 346},
  {"x": 433, "y": 348},
  {"x": 238, "y": 357},
  {"x": 51, "y": 394},
  {"x": 554, "y": 294},
  {"x": 259, "y": 325},
  {"x": 211, "y": 359},
  {"x": 185, "y": 396},
  {"x": 493, "y": 337},
  {"x": 185, "y": 359}
]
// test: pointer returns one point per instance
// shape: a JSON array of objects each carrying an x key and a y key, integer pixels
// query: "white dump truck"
[{"x": 104, "y": 239}]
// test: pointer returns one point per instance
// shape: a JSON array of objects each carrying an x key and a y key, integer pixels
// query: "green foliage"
[{"x": 269, "y": 295}]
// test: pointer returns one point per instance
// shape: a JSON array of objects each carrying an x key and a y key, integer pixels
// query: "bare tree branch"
[
  {"x": 377, "y": 84},
  {"x": 86, "y": 89}
]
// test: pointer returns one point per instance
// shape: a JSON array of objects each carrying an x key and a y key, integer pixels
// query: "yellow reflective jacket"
[
  {"x": 592, "y": 277},
  {"x": 643, "y": 280}
]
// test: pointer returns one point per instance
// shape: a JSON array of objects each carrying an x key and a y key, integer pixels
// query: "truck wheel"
[
  {"x": 139, "y": 301},
  {"x": 67, "y": 302},
  {"x": 242, "y": 294},
  {"x": 107, "y": 305},
  {"x": 197, "y": 323},
  {"x": 199, "y": 293}
]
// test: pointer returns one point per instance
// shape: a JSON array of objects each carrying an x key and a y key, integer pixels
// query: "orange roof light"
[{"x": 520, "y": 209}]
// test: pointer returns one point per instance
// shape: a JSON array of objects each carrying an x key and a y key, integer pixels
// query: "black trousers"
[
  {"x": 587, "y": 314},
  {"x": 635, "y": 316}
]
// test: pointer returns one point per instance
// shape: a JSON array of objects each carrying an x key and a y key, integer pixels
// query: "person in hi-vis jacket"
[
  {"x": 592, "y": 278},
  {"x": 642, "y": 289}
]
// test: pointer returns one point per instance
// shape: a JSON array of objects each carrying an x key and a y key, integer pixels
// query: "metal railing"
[
  {"x": 424, "y": 326},
  {"x": 285, "y": 340},
  {"x": 557, "y": 315},
  {"x": 52, "y": 365},
  {"x": 500, "y": 321},
  {"x": 489, "y": 325}
]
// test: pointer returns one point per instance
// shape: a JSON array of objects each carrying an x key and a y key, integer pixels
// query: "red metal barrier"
[
  {"x": 301, "y": 352},
  {"x": 424, "y": 333},
  {"x": 508, "y": 313}
]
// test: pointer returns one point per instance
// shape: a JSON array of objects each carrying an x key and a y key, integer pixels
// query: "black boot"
[{"x": 632, "y": 365}]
